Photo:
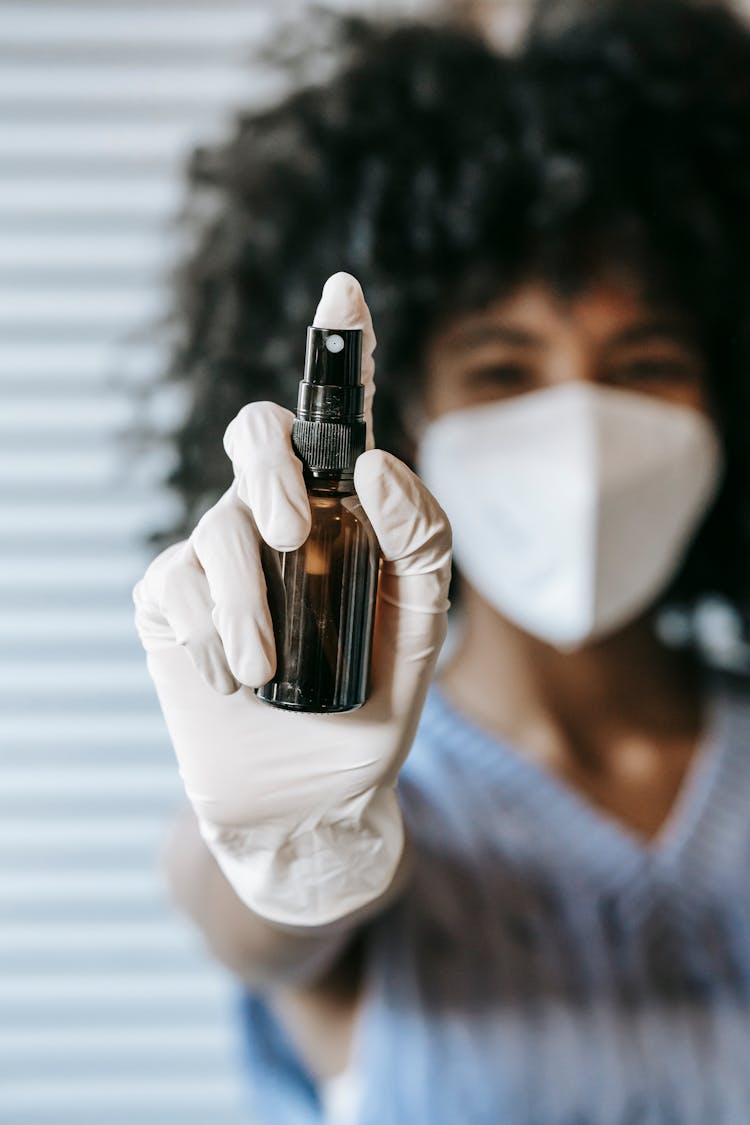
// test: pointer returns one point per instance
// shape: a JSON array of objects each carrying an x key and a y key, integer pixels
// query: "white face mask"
[{"x": 573, "y": 506}]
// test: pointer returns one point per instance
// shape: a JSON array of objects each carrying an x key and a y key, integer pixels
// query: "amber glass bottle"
[{"x": 322, "y": 596}]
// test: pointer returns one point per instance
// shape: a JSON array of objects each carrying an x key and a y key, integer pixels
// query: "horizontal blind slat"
[
  {"x": 134, "y": 23},
  {"x": 110, "y": 1009}
]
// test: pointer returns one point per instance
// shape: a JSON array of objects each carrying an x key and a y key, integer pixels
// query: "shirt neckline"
[{"x": 594, "y": 841}]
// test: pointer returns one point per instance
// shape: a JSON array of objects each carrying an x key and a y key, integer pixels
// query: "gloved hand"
[{"x": 298, "y": 809}]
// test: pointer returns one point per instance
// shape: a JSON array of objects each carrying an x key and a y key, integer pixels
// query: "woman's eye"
[
  {"x": 505, "y": 375},
  {"x": 654, "y": 371}
]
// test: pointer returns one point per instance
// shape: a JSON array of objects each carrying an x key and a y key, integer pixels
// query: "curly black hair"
[{"x": 441, "y": 171}]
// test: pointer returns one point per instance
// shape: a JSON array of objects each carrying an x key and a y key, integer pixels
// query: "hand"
[{"x": 298, "y": 809}]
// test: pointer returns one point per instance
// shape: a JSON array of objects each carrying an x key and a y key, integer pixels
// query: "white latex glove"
[{"x": 298, "y": 809}]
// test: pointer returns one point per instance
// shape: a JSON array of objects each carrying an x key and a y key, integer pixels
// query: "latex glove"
[{"x": 298, "y": 809}]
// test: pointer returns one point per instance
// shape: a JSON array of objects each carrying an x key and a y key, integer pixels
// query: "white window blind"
[
  {"x": 109, "y": 1009},
  {"x": 110, "y": 1012}
]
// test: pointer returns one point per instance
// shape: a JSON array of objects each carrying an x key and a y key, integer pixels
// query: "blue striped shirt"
[{"x": 547, "y": 967}]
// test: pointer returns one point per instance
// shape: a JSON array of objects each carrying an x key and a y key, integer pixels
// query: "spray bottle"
[{"x": 322, "y": 596}]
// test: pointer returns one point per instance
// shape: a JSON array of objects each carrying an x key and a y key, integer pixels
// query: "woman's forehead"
[{"x": 533, "y": 310}]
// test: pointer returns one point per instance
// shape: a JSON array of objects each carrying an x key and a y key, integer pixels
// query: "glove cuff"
[{"x": 319, "y": 873}]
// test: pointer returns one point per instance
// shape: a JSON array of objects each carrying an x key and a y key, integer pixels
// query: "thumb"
[
  {"x": 342, "y": 305},
  {"x": 415, "y": 540}
]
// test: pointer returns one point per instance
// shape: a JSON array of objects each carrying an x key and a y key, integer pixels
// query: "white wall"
[{"x": 109, "y": 1010}]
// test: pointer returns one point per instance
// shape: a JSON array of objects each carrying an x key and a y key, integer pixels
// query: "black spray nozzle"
[
  {"x": 333, "y": 357},
  {"x": 329, "y": 433},
  {"x": 331, "y": 388}
]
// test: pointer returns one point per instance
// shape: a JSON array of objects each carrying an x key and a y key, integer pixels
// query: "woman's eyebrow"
[
  {"x": 473, "y": 335},
  {"x": 651, "y": 331}
]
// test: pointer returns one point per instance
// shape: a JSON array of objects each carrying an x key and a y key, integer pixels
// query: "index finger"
[
  {"x": 259, "y": 440},
  {"x": 342, "y": 305},
  {"x": 415, "y": 540},
  {"x": 269, "y": 473}
]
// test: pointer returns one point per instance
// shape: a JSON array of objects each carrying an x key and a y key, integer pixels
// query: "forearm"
[{"x": 258, "y": 951}]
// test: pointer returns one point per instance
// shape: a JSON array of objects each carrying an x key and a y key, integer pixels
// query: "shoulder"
[
  {"x": 728, "y": 732},
  {"x": 727, "y": 697}
]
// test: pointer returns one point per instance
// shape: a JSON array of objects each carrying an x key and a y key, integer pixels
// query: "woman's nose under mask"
[{"x": 572, "y": 507}]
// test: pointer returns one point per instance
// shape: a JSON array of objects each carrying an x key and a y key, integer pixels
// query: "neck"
[{"x": 628, "y": 685}]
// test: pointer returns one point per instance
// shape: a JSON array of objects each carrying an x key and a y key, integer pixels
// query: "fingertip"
[
  {"x": 342, "y": 303},
  {"x": 209, "y": 662},
  {"x": 411, "y": 527},
  {"x": 284, "y": 529},
  {"x": 226, "y": 684},
  {"x": 375, "y": 467},
  {"x": 228, "y": 439},
  {"x": 342, "y": 280},
  {"x": 136, "y": 594},
  {"x": 285, "y": 544},
  {"x": 282, "y": 511},
  {"x": 253, "y": 669},
  {"x": 248, "y": 641},
  {"x": 255, "y": 429}
]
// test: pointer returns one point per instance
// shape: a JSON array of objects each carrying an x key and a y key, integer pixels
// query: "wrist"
[{"x": 324, "y": 872}]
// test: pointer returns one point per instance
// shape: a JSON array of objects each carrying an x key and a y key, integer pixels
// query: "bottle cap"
[
  {"x": 333, "y": 357},
  {"x": 329, "y": 432}
]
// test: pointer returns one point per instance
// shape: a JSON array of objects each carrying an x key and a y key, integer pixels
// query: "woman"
[{"x": 547, "y": 922}]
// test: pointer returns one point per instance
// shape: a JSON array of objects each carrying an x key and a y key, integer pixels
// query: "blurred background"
[{"x": 109, "y": 1009}]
